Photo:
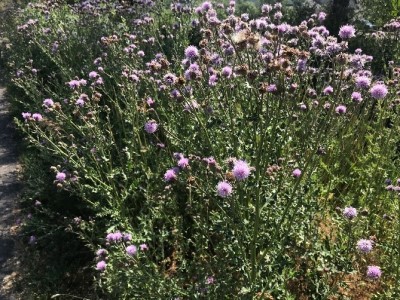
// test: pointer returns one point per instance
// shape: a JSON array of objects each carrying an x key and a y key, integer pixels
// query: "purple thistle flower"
[
  {"x": 110, "y": 237},
  {"x": 198, "y": 10},
  {"x": 216, "y": 60},
  {"x": 101, "y": 266},
  {"x": 266, "y": 8},
  {"x": 278, "y": 15},
  {"x": 150, "y": 102},
  {"x": 349, "y": 212},
  {"x": 206, "y": 6},
  {"x": 356, "y": 97},
  {"x": 151, "y": 126},
  {"x": 191, "y": 53},
  {"x": 228, "y": 49},
  {"x": 170, "y": 175},
  {"x": 195, "y": 23},
  {"x": 282, "y": 28},
  {"x": 340, "y": 110},
  {"x": 389, "y": 187},
  {"x": 303, "y": 106},
  {"x": 328, "y": 90},
  {"x": 321, "y": 16},
  {"x": 97, "y": 61},
  {"x": 101, "y": 252},
  {"x": 117, "y": 236},
  {"x": 374, "y": 272},
  {"x": 80, "y": 102},
  {"x": 61, "y": 176},
  {"x": 327, "y": 105},
  {"x": 26, "y": 115},
  {"x": 131, "y": 250},
  {"x": 134, "y": 78},
  {"x": 114, "y": 237},
  {"x": 93, "y": 75},
  {"x": 210, "y": 279},
  {"x": 143, "y": 247},
  {"x": 37, "y": 117},
  {"x": 170, "y": 79},
  {"x": 241, "y": 170},
  {"x": 193, "y": 72},
  {"x": 73, "y": 84},
  {"x": 224, "y": 189},
  {"x": 347, "y": 31},
  {"x": 183, "y": 163},
  {"x": 127, "y": 237},
  {"x": 364, "y": 246},
  {"x": 379, "y": 91},
  {"x": 363, "y": 82},
  {"x": 301, "y": 65},
  {"x": 212, "y": 81},
  {"x": 272, "y": 88},
  {"x": 296, "y": 173},
  {"x": 226, "y": 72},
  {"x": 176, "y": 94},
  {"x": 55, "y": 46},
  {"x": 48, "y": 102}
]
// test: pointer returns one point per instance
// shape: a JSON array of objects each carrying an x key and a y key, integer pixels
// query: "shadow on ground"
[{"x": 9, "y": 189}]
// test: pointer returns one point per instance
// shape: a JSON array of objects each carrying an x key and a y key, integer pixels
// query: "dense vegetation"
[{"x": 181, "y": 151}]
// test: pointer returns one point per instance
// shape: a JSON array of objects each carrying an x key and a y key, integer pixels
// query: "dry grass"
[{"x": 4, "y": 4}]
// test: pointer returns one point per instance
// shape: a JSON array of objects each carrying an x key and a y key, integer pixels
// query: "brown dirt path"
[{"x": 9, "y": 190}]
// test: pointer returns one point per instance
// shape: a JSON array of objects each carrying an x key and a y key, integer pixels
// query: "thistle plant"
[{"x": 224, "y": 157}]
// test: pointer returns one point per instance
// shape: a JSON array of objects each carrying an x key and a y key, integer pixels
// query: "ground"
[{"x": 9, "y": 189}]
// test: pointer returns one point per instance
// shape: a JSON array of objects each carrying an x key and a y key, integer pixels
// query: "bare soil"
[{"x": 9, "y": 190}]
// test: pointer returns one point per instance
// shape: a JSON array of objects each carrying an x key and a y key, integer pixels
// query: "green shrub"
[{"x": 225, "y": 169}]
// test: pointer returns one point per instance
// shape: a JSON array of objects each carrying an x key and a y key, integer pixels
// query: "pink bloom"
[
  {"x": 349, "y": 212},
  {"x": 61, "y": 176},
  {"x": 48, "y": 102},
  {"x": 340, "y": 110},
  {"x": 374, "y": 272},
  {"x": 26, "y": 115},
  {"x": 143, "y": 247},
  {"x": 183, "y": 163},
  {"x": 224, "y": 189},
  {"x": 379, "y": 91},
  {"x": 296, "y": 173},
  {"x": 151, "y": 126},
  {"x": 364, "y": 246},
  {"x": 101, "y": 266},
  {"x": 241, "y": 170},
  {"x": 347, "y": 31},
  {"x": 170, "y": 175},
  {"x": 131, "y": 250},
  {"x": 37, "y": 117}
]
